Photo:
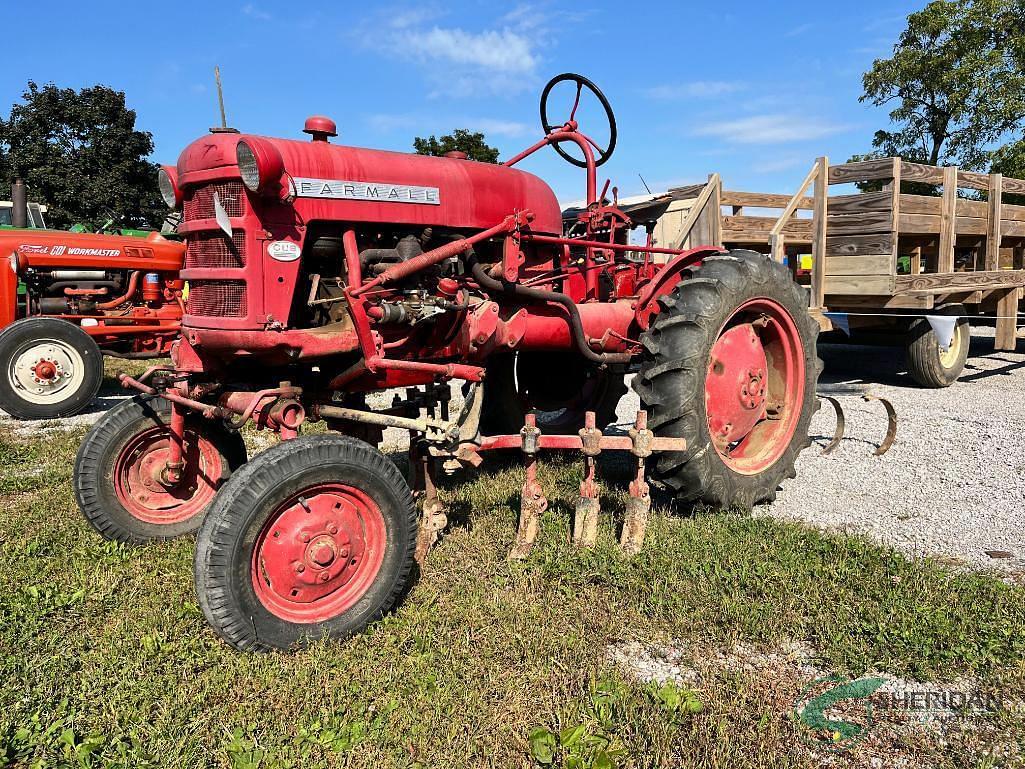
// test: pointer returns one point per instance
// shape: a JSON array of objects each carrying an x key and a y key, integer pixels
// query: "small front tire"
[
  {"x": 118, "y": 481},
  {"x": 313, "y": 539}
]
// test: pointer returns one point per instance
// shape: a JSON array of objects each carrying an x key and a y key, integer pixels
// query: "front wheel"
[
  {"x": 312, "y": 539},
  {"x": 49, "y": 369},
  {"x": 120, "y": 482},
  {"x": 730, "y": 364}
]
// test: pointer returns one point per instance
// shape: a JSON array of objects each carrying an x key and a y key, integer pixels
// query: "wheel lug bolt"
[
  {"x": 299, "y": 567},
  {"x": 304, "y": 537},
  {"x": 332, "y": 529},
  {"x": 324, "y": 576}
]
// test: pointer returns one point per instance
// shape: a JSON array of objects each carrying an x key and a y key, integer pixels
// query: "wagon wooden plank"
[
  {"x": 865, "y": 264},
  {"x": 862, "y": 171}
]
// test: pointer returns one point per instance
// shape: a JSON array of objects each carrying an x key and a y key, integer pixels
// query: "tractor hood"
[
  {"x": 332, "y": 182},
  {"x": 60, "y": 249}
]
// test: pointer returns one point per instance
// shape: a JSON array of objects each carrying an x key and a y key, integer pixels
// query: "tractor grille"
[
  {"x": 217, "y": 298},
  {"x": 215, "y": 250},
  {"x": 199, "y": 202}
]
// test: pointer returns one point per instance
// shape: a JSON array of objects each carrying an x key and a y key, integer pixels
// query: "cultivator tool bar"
[
  {"x": 841, "y": 423},
  {"x": 639, "y": 441}
]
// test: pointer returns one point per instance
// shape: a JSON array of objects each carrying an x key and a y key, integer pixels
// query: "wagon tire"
[
  {"x": 313, "y": 539},
  {"x": 115, "y": 476},
  {"x": 739, "y": 309},
  {"x": 49, "y": 369},
  {"x": 927, "y": 364}
]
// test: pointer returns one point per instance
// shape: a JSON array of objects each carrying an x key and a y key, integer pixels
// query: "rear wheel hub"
[{"x": 754, "y": 387}]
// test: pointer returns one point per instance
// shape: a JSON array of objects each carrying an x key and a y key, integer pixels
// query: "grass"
[{"x": 105, "y": 660}]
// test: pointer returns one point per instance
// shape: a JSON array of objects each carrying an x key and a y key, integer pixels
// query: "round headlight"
[
  {"x": 259, "y": 164},
  {"x": 167, "y": 180}
]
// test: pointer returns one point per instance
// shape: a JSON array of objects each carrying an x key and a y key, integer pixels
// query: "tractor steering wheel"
[{"x": 582, "y": 82}]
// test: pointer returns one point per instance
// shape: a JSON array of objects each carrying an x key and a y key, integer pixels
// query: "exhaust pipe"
[{"x": 19, "y": 201}]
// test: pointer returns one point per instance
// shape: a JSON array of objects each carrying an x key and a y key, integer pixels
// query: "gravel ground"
[{"x": 953, "y": 485}]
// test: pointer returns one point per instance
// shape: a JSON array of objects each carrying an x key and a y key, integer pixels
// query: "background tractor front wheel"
[
  {"x": 49, "y": 369},
  {"x": 730, "y": 365},
  {"x": 312, "y": 539},
  {"x": 118, "y": 479}
]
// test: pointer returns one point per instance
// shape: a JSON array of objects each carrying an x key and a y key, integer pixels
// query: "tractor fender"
[{"x": 665, "y": 280}]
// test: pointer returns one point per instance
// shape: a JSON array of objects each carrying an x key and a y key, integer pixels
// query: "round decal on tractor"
[{"x": 283, "y": 250}]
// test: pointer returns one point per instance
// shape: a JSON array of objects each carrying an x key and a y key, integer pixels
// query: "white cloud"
[
  {"x": 697, "y": 89},
  {"x": 497, "y": 58},
  {"x": 425, "y": 124},
  {"x": 502, "y": 51},
  {"x": 256, "y": 13},
  {"x": 770, "y": 129},
  {"x": 777, "y": 164},
  {"x": 799, "y": 30}
]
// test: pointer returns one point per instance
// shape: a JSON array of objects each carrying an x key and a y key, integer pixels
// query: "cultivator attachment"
[
  {"x": 591, "y": 442},
  {"x": 841, "y": 421}
]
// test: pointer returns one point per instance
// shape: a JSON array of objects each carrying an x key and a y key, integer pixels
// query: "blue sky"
[{"x": 752, "y": 90}]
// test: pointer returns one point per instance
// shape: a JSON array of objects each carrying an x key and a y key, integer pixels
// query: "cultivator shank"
[{"x": 591, "y": 442}]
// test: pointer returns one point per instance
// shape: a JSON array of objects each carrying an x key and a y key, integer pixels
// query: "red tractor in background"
[
  {"x": 319, "y": 273},
  {"x": 67, "y": 299}
]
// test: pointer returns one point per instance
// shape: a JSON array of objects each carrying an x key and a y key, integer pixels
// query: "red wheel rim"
[
  {"x": 318, "y": 553},
  {"x": 140, "y": 484},
  {"x": 754, "y": 386}
]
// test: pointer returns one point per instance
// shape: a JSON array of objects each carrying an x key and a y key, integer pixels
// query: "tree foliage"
[
  {"x": 462, "y": 140},
  {"x": 956, "y": 82},
  {"x": 81, "y": 155},
  {"x": 1009, "y": 160}
]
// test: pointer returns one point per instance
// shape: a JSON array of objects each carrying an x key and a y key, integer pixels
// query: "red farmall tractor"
[
  {"x": 319, "y": 273},
  {"x": 67, "y": 299}
]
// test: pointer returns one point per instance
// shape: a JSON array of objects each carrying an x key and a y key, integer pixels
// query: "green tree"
[
  {"x": 462, "y": 140},
  {"x": 955, "y": 82},
  {"x": 81, "y": 154},
  {"x": 1009, "y": 160}
]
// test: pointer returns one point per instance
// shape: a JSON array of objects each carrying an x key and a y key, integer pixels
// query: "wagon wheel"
[
  {"x": 730, "y": 364},
  {"x": 312, "y": 539},
  {"x": 546, "y": 124},
  {"x": 119, "y": 481}
]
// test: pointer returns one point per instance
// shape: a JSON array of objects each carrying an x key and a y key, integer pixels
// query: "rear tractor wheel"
[
  {"x": 730, "y": 365},
  {"x": 312, "y": 539},
  {"x": 120, "y": 483}
]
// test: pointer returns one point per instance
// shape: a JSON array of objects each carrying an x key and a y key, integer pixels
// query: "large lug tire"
[
  {"x": 312, "y": 539},
  {"x": 49, "y": 369},
  {"x": 118, "y": 482},
  {"x": 558, "y": 387},
  {"x": 730, "y": 364},
  {"x": 929, "y": 365}
]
